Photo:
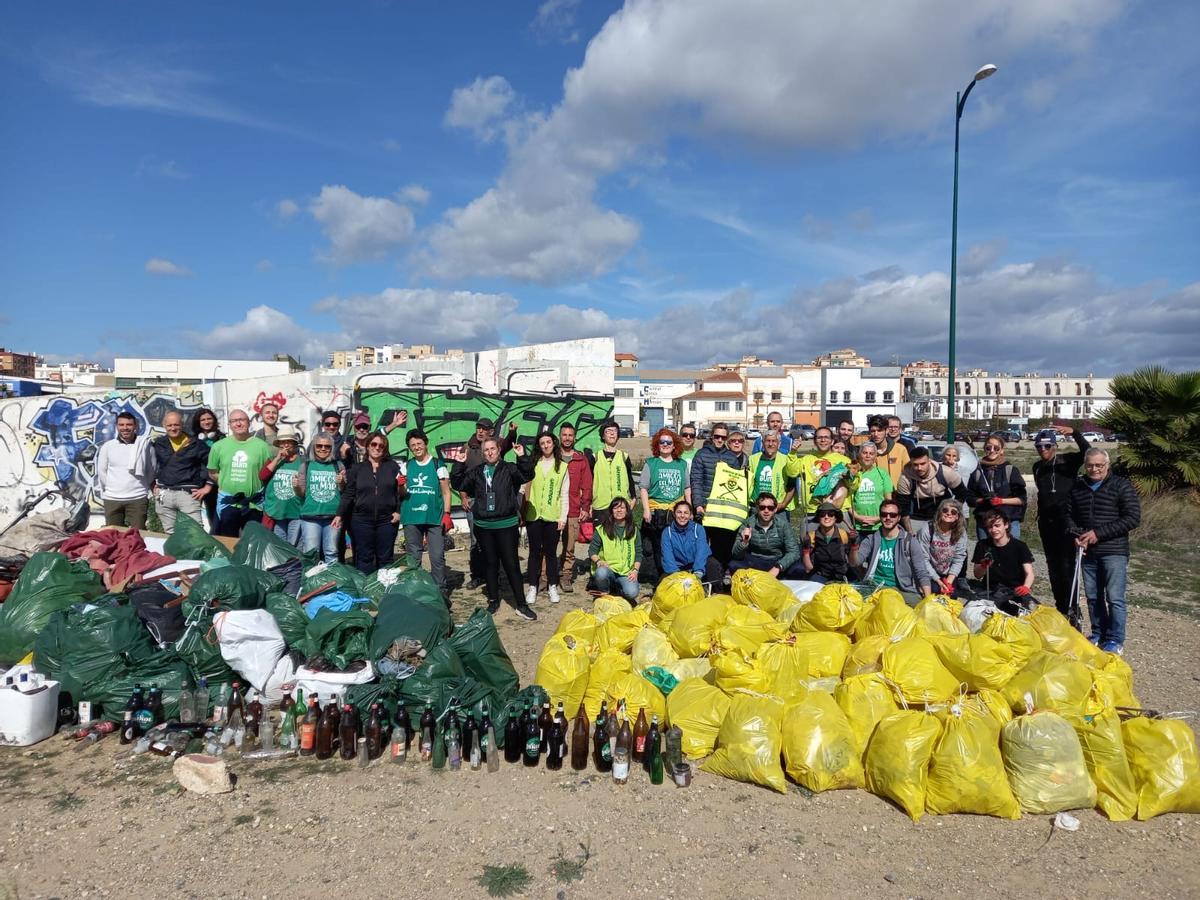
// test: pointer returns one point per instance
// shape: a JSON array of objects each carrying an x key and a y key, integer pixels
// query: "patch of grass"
[
  {"x": 169, "y": 788},
  {"x": 504, "y": 881},
  {"x": 243, "y": 819},
  {"x": 274, "y": 774},
  {"x": 66, "y": 801},
  {"x": 798, "y": 840},
  {"x": 566, "y": 869}
]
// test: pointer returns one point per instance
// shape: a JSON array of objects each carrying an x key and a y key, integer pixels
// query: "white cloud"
[
  {"x": 159, "y": 266},
  {"x": 480, "y": 106},
  {"x": 360, "y": 228},
  {"x": 263, "y": 331},
  {"x": 765, "y": 73},
  {"x": 155, "y": 168},
  {"x": 286, "y": 208},
  {"x": 422, "y": 315},
  {"x": 982, "y": 256},
  {"x": 264, "y": 265},
  {"x": 555, "y": 20},
  {"x": 415, "y": 194}
]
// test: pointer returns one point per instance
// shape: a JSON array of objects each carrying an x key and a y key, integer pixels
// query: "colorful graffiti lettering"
[
  {"x": 277, "y": 400},
  {"x": 448, "y": 416}
]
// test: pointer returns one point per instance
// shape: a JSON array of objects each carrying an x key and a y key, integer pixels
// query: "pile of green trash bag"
[
  {"x": 381, "y": 581},
  {"x": 230, "y": 587},
  {"x": 289, "y": 615},
  {"x": 100, "y": 651},
  {"x": 263, "y": 549},
  {"x": 483, "y": 656},
  {"x": 189, "y": 540},
  {"x": 338, "y": 576},
  {"x": 339, "y": 637},
  {"x": 49, "y": 582},
  {"x": 402, "y": 615}
]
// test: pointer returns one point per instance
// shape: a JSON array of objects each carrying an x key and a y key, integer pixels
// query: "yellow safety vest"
[
  {"x": 545, "y": 493},
  {"x": 619, "y": 554},
  {"x": 609, "y": 479},
  {"x": 729, "y": 500}
]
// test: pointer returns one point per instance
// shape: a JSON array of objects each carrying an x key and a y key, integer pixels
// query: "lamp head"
[{"x": 985, "y": 72}]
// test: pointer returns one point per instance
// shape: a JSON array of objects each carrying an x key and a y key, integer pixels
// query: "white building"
[
  {"x": 980, "y": 394},
  {"x": 717, "y": 397},
  {"x": 858, "y": 393},
  {"x": 135, "y": 372}
]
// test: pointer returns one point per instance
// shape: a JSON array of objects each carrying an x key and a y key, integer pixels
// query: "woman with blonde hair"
[{"x": 941, "y": 549}]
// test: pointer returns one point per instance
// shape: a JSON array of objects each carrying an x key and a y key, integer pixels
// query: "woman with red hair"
[{"x": 664, "y": 483}]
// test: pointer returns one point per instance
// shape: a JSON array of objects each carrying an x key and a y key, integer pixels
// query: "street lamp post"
[{"x": 960, "y": 101}]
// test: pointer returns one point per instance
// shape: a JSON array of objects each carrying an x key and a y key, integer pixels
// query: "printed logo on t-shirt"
[
  {"x": 322, "y": 485},
  {"x": 239, "y": 464}
]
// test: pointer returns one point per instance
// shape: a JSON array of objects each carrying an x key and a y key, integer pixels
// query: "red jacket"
[{"x": 580, "y": 474}]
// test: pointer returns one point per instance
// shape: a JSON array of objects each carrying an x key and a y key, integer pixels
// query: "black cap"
[{"x": 484, "y": 423}]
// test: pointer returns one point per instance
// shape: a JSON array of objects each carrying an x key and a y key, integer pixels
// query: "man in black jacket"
[
  {"x": 181, "y": 480},
  {"x": 704, "y": 464},
  {"x": 1054, "y": 474},
  {"x": 1103, "y": 509}
]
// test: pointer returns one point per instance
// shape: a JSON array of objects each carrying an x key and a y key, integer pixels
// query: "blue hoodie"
[{"x": 684, "y": 549}]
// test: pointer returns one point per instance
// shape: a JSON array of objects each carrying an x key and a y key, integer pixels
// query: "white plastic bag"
[
  {"x": 975, "y": 613},
  {"x": 327, "y": 684},
  {"x": 251, "y": 643}
]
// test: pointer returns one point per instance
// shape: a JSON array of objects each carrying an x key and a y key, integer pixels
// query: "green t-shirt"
[
  {"x": 873, "y": 487},
  {"x": 423, "y": 505},
  {"x": 885, "y": 569},
  {"x": 321, "y": 494},
  {"x": 667, "y": 480},
  {"x": 237, "y": 464},
  {"x": 688, "y": 454},
  {"x": 280, "y": 501}
]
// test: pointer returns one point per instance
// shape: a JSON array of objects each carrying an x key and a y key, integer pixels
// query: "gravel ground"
[{"x": 97, "y": 823}]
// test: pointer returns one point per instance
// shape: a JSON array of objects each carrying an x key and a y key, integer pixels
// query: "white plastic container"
[{"x": 27, "y": 718}]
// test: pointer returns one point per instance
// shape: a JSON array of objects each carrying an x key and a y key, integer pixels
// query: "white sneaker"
[
  {"x": 530, "y": 595},
  {"x": 553, "y": 594}
]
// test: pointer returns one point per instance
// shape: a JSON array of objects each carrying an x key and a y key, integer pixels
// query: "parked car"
[
  {"x": 924, "y": 435},
  {"x": 753, "y": 434},
  {"x": 625, "y": 431},
  {"x": 802, "y": 432},
  {"x": 1093, "y": 437},
  {"x": 1120, "y": 438}
]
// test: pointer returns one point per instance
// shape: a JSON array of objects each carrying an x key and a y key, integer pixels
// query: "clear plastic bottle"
[
  {"x": 200, "y": 701},
  {"x": 187, "y": 702}
]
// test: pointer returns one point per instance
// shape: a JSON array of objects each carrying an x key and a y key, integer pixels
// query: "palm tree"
[{"x": 1159, "y": 411}]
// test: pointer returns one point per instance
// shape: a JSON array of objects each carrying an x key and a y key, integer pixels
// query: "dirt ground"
[{"x": 95, "y": 822}]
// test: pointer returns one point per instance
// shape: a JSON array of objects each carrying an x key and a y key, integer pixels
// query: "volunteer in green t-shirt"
[
  {"x": 280, "y": 475},
  {"x": 687, "y": 440},
  {"x": 319, "y": 483},
  {"x": 662, "y": 484},
  {"x": 890, "y": 555},
  {"x": 872, "y": 486},
  {"x": 427, "y": 503},
  {"x": 234, "y": 463}
]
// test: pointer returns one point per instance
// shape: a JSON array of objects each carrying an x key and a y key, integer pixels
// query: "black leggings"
[
  {"x": 720, "y": 541},
  {"x": 499, "y": 546},
  {"x": 543, "y": 544}
]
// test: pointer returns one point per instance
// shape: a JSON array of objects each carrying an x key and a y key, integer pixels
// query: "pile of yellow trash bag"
[{"x": 933, "y": 711}]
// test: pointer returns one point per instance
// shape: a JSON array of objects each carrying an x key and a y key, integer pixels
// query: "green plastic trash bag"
[
  {"x": 340, "y": 638},
  {"x": 338, "y": 576},
  {"x": 419, "y": 585},
  {"x": 661, "y": 679},
  {"x": 401, "y": 615},
  {"x": 289, "y": 616},
  {"x": 263, "y": 549},
  {"x": 166, "y": 671},
  {"x": 88, "y": 642},
  {"x": 49, "y": 582},
  {"x": 479, "y": 647},
  {"x": 381, "y": 581},
  {"x": 199, "y": 649},
  {"x": 230, "y": 587},
  {"x": 189, "y": 540}
]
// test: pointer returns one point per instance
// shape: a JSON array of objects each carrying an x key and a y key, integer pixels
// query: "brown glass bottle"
[
  {"x": 544, "y": 720},
  {"x": 374, "y": 733},
  {"x": 254, "y": 714},
  {"x": 602, "y": 749},
  {"x": 348, "y": 732},
  {"x": 580, "y": 732},
  {"x": 308, "y": 728},
  {"x": 325, "y": 734},
  {"x": 564, "y": 726},
  {"x": 236, "y": 702},
  {"x": 640, "y": 729},
  {"x": 335, "y": 721}
]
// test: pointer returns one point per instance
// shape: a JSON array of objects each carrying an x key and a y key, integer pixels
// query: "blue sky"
[{"x": 702, "y": 180}]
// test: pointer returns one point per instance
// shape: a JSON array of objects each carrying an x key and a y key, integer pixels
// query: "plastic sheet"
[{"x": 48, "y": 583}]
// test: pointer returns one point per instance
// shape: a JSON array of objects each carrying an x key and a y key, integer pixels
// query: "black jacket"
[
  {"x": 1111, "y": 510},
  {"x": 371, "y": 494},
  {"x": 704, "y": 467},
  {"x": 996, "y": 481},
  {"x": 506, "y": 483},
  {"x": 186, "y": 468},
  {"x": 1054, "y": 480}
]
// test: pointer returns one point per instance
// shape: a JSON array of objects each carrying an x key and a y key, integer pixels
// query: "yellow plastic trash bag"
[
  {"x": 1057, "y": 683},
  {"x": 563, "y": 670},
  {"x": 749, "y": 742},
  {"x": 751, "y": 587},
  {"x": 823, "y": 685},
  {"x": 617, "y": 632},
  {"x": 581, "y": 625},
  {"x": 652, "y": 648},
  {"x": 1166, "y": 767},
  {"x": 1113, "y": 683},
  {"x": 684, "y": 669},
  {"x": 938, "y": 614},
  {"x": 836, "y": 607},
  {"x": 827, "y": 652},
  {"x": 866, "y": 655},
  {"x": 1104, "y": 754},
  {"x": 897, "y": 760},
  {"x": 637, "y": 693},
  {"x": 606, "y": 668},
  {"x": 1045, "y": 764},
  {"x": 746, "y": 628},
  {"x": 991, "y": 703},
  {"x": 1017, "y": 633},
  {"x": 694, "y": 627},
  {"x": 886, "y": 614},
  {"x": 1059, "y": 637},
  {"x": 976, "y": 660},
  {"x": 674, "y": 592},
  {"x": 820, "y": 749},
  {"x": 785, "y": 665},
  {"x": 966, "y": 771},
  {"x": 734, "y": 672},
  {"x": 604, "y": 608},
  {"x": 698, "y": 708},
  {"x": 865, "y": 699},
  {"x": 916, "y": 674}
]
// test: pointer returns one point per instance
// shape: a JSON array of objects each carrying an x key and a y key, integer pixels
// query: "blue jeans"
[
  {"x": 1014, "y": 529},
  {"x": 609, "y": 581},
  {"x": 289, "y": 530},
  {"x": 1104, "y": 584},
  {"x": 318, "y": 534}
]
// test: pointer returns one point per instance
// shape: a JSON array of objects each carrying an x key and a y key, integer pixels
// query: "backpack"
[{"x": 842, "y": 531}]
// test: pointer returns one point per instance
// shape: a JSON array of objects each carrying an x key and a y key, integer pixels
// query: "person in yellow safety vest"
[
  {"x": 728, "y": 501},
  {"x": 546, "y": 504},
  {"x": 612, "y": 473},
  {"x": 809, "y": 469},
  {"x": 616, "y": 551},
  {"x": 768, "y": 473}
]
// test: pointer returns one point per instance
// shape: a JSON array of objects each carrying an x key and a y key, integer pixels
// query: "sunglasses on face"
[
  {"x": 362, "y": 427},
  {"x": 323, "y": 446},
  {"x": 766, "y": 506},
  {"x": 992, "y": 448},
  {"x": 331, "y": 424},
  {"x": 666, "y": 442},
  {"x": 889, "y": 515},
  {"x": 827, "y": 515},
  {"x": 737, "y": 440},
  {"x": 375, "y": 445},
  {"x": 951, "y": 513},
  {"x": 687, "y": 434}
]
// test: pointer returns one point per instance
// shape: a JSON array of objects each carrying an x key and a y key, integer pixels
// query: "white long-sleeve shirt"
[{"x": 125, "y": 471}]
